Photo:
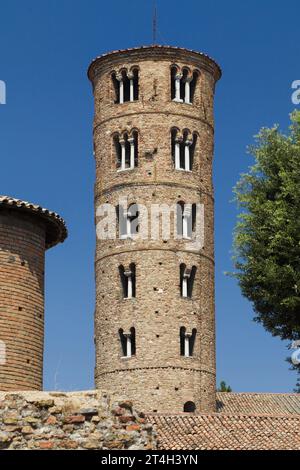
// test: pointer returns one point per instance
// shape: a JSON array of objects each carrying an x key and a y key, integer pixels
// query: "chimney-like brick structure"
[
  {"x": 157, "y": 376},
  {"x": 26, "y": 231}
]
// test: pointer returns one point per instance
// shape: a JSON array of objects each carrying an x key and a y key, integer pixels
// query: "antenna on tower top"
[{"x": 154, "y": 22}]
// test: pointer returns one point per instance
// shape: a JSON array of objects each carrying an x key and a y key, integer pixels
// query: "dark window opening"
[
  {"x": 189, "y": 407},
  {"x": 135, "y": 84},
  {"x": 126, "y": 84},
  {"x": 182, "y": 340},
  {"x": 173, "y": 74}
]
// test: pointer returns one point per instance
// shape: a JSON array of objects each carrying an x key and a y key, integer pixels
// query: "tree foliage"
[
  {"x": 267, "y": 235},
  {"x": 224, "y": 387}
]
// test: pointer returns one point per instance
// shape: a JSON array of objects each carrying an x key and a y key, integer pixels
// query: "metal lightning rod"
[{"x": 154, "y": 22}]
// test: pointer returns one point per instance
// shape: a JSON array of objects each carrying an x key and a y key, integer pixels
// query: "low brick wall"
[{"x": 76, "y": 420}]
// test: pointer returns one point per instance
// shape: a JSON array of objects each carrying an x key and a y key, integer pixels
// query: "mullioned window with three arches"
[{"x": 125, "y": 85}]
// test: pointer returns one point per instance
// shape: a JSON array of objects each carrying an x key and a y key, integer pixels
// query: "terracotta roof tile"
[
  {"x": 258, "y": 403},
  {"x": 227, "y": 432}
]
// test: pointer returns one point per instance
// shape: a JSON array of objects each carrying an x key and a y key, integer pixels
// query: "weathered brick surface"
[
  {"x": 25, "y": 233},
  {"x": 157, "y": 378},
  {"x": 22, "y": 257},
  {"x": 93, "y": 422}
]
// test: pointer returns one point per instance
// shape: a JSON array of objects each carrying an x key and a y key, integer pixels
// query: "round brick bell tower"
[
  {"x": 153, "y": 145},
  {"x": 26, "y": 231}
]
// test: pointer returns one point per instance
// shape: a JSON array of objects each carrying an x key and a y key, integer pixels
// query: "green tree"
[
  {"x": 224, "y": 387},
  {"x": 267, "y": 235}
]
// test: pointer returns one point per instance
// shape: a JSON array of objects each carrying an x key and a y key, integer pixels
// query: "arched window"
[
  {"x": 127, "y": 342},
  {"x": 176, "y": 77},
  {"x": 126, "y": 150},
  {"x": 187, "y": 342},
  {"x": 134, "y": 84},
  {"x": 128, "y": 281},
  {"x": 187, "y": 278},
  {"x": 189, "y": 407},
  {"x": 186, "y": 219}
]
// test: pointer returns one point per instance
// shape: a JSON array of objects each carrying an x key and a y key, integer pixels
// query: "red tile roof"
[
  {"x": 258, "y": 403},
  {"x": 227, "y": 432},
  {"x": 244, "y": 421}
]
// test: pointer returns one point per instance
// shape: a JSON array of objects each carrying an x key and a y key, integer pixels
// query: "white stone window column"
[
  {"x": 121, "y": 88},
  {"x": 187, "y": 212},
  {"x": 123, "y": 154},
  {"x": 187, "y": 90},
  {"x": 178, "y": 78},
  {"x": 128, "y": 226},
  {"x": 128, "y": 275},
  {"x": 177, "y": 153},
  {"x": 187, "y": 155},
  {"x": 186, "y": 276},
  {"x": 132, "y": 152},
  {"x": 131, "y": 86},
  {"x": 187, "y": 338},
  {"x": 128, "y": 344},
  {"x": 184, "y": 287}
]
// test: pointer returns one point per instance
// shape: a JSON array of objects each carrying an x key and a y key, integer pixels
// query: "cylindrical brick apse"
[
  {"x": 26, "y": 231},
  {"x": 153, "y": 146}
]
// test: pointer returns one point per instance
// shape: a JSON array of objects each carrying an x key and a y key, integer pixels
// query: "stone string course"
[{"x": 76, "y": 420}]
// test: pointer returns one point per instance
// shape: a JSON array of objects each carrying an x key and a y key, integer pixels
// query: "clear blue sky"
[{"x": 46, "y": 149}]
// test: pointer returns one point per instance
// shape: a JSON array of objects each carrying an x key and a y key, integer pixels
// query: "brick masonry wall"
[
  {"x": 77, "y": 420},
  {"x": 157, "y": 378},
  {"x": 22, "y": 253}
]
